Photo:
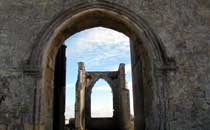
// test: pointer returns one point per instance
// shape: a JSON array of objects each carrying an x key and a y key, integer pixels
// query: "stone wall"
[{"x": 182, "y": 25}]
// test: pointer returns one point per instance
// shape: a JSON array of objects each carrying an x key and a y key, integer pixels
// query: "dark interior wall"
[
  {"x": 102, "y": 124},
  {"x": 59, "y": 90}
]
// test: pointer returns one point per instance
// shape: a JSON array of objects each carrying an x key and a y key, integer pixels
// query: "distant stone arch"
[
  {"x": 106, "y": 89},
  {"x": 121, "y": 105},
  {"x": 148, "y": 58},
  {"x": 96, "y": 79}
]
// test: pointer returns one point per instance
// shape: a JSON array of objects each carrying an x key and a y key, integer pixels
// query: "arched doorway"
[
  {"x": 102, "y": 91},
  {"x": 146, "y": 51},
  {"x": 121, "y": 107}
]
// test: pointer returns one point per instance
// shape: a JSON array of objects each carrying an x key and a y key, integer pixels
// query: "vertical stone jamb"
[
  {"x": 138, "y": 88},
  {"x": 124, "y": 99}
]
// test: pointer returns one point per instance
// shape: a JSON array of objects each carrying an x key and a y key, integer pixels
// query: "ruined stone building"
[
  {"x": 121, "y": 113},
  {"x": 170, "y": 57}
]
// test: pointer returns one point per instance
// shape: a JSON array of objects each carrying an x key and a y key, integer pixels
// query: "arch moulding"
[
  {"x": 64, "y": 25},
  {"x": 147, "y": 51}
]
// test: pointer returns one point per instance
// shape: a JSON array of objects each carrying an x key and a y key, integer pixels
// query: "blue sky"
[{"x": 101, "y": 49}]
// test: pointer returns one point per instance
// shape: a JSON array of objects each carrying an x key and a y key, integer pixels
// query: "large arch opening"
[
  {"x": 101, "y": 49},
  {"x": 146, "y": 52}
]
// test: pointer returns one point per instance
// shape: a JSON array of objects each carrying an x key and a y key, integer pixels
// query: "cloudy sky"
[{"x": 101, "y": 49}]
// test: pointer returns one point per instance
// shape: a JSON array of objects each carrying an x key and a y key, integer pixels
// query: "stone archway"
[
  {"x": 121, "y": 105},
  {"x": 148, "y": 59},
  {"x": 96, "y": 107}
]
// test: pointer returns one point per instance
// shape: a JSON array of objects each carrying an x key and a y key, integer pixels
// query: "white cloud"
[
  {"x": 102, "y": 88},
  {"x": 102, "y": 111},
  {"x": 98, "y": 44},
  {"x": 128, "y": 68},
  {"x": 69, "y": 111},
  {"x": 102, "y": 36},
  {"x": 70, "y": 85},
  {"x": 129, "y": 85}
]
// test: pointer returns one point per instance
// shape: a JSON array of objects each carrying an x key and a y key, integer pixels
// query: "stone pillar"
[
  {"x": 138, "y": 89},
  {"x": 124, "y": 100},
  {"x": 80, "y": 99}
]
